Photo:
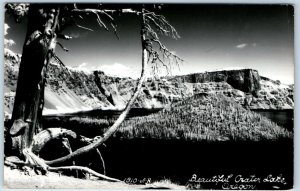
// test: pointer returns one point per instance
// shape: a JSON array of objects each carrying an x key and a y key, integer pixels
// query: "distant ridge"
[{"x": 69, "y": 90}]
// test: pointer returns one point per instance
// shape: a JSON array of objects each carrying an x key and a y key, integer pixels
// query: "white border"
[{"x": 296, "y": 71}]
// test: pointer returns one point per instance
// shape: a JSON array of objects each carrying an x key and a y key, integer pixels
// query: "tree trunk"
[
  {"x": 37, "y": 52},
  {"x": 49, "y": 134},
  {"x": 123, "y": 115}
]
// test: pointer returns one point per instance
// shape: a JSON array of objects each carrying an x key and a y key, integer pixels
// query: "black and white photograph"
[{"x": 148, "y": 96}]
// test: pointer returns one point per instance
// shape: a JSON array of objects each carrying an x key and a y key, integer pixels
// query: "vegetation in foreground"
[{"x": 205, "y": 117}]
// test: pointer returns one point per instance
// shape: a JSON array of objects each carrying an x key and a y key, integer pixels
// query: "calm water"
[
  {"x": 108, "y": 114},
  {"x": 284, "y": 118},
  {"x": 178, "y": 160}
]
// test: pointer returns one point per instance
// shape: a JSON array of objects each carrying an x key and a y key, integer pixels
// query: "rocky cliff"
[
  {"x": 69, "y": 90},
  {"x": 246, "y": 80}
]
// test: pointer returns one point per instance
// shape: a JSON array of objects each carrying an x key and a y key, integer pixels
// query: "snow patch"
[
  {"x": 273, "y": 85},
  {"x": 62, "y": 110},
  {"x": 114, "y": 70}
]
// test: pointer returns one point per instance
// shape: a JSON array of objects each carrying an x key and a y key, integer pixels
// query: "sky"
[{"x": 212, "y": 37}]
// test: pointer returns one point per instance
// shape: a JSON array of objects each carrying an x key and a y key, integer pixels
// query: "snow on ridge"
[
  {"x": 64, "y": 110},
  {"x": 274, "y": 85},
  {"x": 67, "y": 110},
  {"x": 78, "y": 69},
  {"x": 228, "y": 69},
  {"x": 10, "y": 53}
]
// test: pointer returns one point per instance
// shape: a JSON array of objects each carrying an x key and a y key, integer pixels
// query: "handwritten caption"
[
  {"x": 131, "y": 180},
  {"x": 235, "y": 182}
]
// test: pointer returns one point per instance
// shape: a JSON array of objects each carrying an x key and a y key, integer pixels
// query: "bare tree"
[
  {"x": 45, "y": 25},
  {"x": 38, "y": 49},
  {"x": 149, "y": 36},
  {"x": 154, "y": 53}
]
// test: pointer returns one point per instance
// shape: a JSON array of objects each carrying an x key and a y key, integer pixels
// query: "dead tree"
[
  {"x": 39, "y": 49},
  {"x": 45, "y": 24},
  {"x": 150, "y": 55}
]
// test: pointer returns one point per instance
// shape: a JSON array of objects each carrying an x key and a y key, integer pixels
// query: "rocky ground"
[{"x": 14, "y": 179}]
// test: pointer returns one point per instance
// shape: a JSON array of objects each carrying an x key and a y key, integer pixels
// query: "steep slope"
[
  {"x": 273, "y": 95},
  {"x": 70, "y": 90}
]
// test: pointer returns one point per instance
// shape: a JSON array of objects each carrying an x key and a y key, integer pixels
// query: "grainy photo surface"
[{"x": 149, "y": 96}]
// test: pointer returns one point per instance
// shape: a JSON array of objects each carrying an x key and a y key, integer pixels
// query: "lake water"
[
  {"x": 284, "y": 118},
  {"x": 108, "y": 114},
  {"x": 178, "y": 161}
]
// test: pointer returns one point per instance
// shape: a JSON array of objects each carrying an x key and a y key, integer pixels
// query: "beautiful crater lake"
[{"x": 178, "y": 161}]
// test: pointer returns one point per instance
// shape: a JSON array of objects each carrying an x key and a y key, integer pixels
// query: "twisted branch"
[
  {"x": 159, "y": 53},
  {"x": 148, "y": 37},
  {"x": 85, "y": 28},
  {"x": 105, "y": 12},
  {"x": 111, "y": 130},
  {"x": 85, "y": 169}
]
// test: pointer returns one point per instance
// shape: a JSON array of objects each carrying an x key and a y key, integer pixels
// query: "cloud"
[
  {"x": 6, "y": 27},
  {"x": 173, "y": 52},
  {"x": 118, "y": 69},
  {"x": 8, "y": 42},
  {"x": 82, "y": 67},
  {"x": 241, "y": 45}
]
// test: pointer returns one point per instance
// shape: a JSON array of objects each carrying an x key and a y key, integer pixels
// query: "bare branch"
[
  {"x": 58, "y": 60},
  {"x": 102, "y": 160},
  {"x": 97, "y": 12},
  {"x": 88, "y": 170},
  {"x": 105, "y": 12},
  {"x": 63, "y": 36},
  {"x": 162, "y": 24},
  {"x": 160, "y": 27},
  {"x": 158, "y": 52},
  {"x": 150, "y": 31},
  {"x": 43, "y": 137},
  {"x": 85, "y": 28},
  {"x": 115, "y": 29},
  {"x": 130, "y": 11},
  {"x": 64, "y": 48},
  {"x": 100, "y": 22},
  {"x": 166, "y": 51}
]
